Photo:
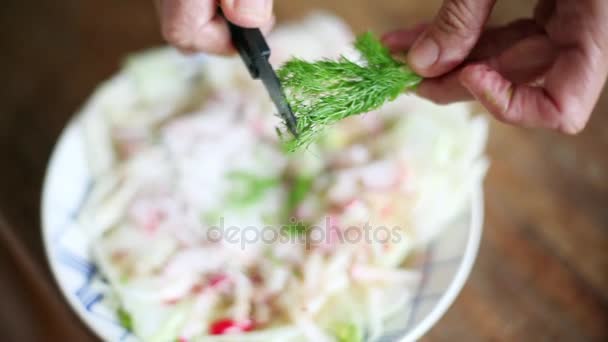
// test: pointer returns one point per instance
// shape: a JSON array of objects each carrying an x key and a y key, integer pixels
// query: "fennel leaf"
[{"x": 324, "y": 92}]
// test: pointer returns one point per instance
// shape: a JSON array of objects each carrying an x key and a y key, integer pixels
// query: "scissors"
[{"x": 254, "y": 51}]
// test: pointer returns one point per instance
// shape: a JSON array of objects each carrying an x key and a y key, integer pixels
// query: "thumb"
[
  {"x": 248, "y": 13},
  {"x": 448, "y": 41}
]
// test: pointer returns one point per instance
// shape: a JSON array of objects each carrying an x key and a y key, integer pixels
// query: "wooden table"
[{"x": 542, "y": 271}]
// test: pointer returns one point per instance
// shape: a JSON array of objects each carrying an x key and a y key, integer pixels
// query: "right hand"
[
  {"x": 194, "y": 26},
  {"x": 545, "y": 71}
]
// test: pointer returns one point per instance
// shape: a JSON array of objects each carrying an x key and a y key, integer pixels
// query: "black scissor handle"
[{"x": 251, "y": 45}]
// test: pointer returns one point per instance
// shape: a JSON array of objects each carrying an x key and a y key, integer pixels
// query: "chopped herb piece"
[
  {"x": 347, "y": 332},
  {"x": 324, "y": 92},
  {"x": 124, "y": 277},
  {"x": 125, "y": 319},
  {"x": 252, "y": 189},
  {"x": 298, "y": 273},
  {"x": 298, "y": 191},
  {"x": 295, "y": 229},
  {"x": 211, "y": 217},
  {"x": 299, "y": 188}
]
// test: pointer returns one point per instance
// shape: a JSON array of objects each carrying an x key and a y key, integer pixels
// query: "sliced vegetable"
[
  {"x": 217, "y": 279},
  {"x": 230, "y": 326}
]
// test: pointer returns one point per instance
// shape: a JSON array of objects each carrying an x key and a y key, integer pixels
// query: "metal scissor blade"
[
  {"x": 255, "y": 52},
  {"x": 273, "y": 86}
]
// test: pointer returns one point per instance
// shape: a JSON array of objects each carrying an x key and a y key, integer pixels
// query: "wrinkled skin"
[
  {"x": 194, "y": 25},
  {"x": 544, "y": 71}
]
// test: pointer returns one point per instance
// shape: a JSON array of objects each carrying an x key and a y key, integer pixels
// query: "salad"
[{"x": 206, "y": 229}]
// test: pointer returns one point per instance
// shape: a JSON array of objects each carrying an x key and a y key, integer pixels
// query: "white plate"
[{"x": 445, "y": 268}]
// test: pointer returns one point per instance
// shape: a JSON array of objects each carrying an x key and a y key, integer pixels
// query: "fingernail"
[
  {"x": 424, "y": 54},
  {"x": 251, "y": 7}
]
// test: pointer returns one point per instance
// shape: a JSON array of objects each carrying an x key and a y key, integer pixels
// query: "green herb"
[
  {"x": 347, "y": 332},
  {"x": 297, "y": 273},
  {"x": 253, "y": 187},
  {"x": 125, "y": 319},
  {"x": 299, "y": 190},
  {"x": 211, "y": 217},
  {"x": 124, "y": 277},
  {"x": 323, "y": 92},
  {"x": 295, "y": 228}
]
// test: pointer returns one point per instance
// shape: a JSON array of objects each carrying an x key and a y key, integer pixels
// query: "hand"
[
  {"x": 547, "y": 71},
  {"x": 194, "y": 25}
]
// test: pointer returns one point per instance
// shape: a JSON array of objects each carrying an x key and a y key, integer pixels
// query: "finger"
[
  {"x": 192, "y": 25},
  {"x": 572, "y": 87},
  {"x": 491, "y": 42},
  {"x": 248, "y": 13},
  {"x": 494, "y": 41},
  {"x": 450, "y": 38},
  {"x": 267, "y": 27},
  {"x": 214, "y": 38},
  {"x": 520, "y": 105},
  {"x": 544, "y": 11},
  {"x": 442, "y": 90},
  {"x": 525, "y": 62},
  {"x": 403, "y": 39},
  {"x": 211, "y": 45},
  {"x": 445, "y": 89}
]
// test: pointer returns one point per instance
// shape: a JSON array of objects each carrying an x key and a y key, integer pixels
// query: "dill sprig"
[{"x": 324, "y": 92}]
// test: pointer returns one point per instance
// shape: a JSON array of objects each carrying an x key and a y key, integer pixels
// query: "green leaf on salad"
[
  {"x": 211, "y": 217},
  {"x": 295, "y": 229},
  {"x": 125, "y": 319},
  {"x": 347, "y": 332},
  {"x": 324, "y": 92},
  {"x": 250, "y": 187},
  {"x": 300, "y": 188}
]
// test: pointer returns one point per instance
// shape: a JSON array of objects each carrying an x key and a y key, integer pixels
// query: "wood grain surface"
[{"x": 542, "y": 270}]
